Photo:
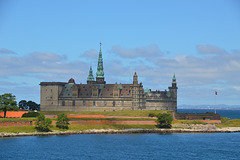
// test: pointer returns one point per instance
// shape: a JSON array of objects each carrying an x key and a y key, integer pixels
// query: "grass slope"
[
  {"x": 76, "y": 128},
  {"x": 18, "y": 129},
  {"x": 229, "y": 123},
  {"x": 16, "y": 119}
]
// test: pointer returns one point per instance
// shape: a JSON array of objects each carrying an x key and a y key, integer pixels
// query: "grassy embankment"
[
  {"x": 229, "y": 123},
  {"x": 187, "y": 122},
  {"x": 136, "y": 113},
  {"x": 31, "y": 129},
  {"x": 73, "y": 128},
  {"x": 16, "y": 119}
]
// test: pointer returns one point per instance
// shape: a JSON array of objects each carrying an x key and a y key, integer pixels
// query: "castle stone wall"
[{"x": 164, "y": 104}]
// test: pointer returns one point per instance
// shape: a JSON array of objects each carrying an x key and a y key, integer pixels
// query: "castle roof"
[
  {"x": 105, "y": 90},
  {"x": 158, "y": 94}
]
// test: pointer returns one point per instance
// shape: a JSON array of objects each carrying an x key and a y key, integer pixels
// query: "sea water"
[{"x": 205, "y": 146}]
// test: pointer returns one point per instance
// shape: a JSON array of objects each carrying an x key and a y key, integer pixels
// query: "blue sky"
[{"x": 56, "y": 40}]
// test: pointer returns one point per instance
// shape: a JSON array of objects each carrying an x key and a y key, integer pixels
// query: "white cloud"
[
  {"x": 237, "y": 88},
  {"x": 6, "y": 51},
  {"x": 209, "y": 49},
  {"x": 91, "y": 54},
  {"x": 39, "y": 64}
]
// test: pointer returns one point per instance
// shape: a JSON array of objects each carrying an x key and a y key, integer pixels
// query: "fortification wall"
[
  {"x": 93, "y": 104},
  {"x": 161, "y": 104}
]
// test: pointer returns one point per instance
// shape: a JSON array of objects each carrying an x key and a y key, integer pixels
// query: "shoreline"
[{"x": 126, "y": 131}]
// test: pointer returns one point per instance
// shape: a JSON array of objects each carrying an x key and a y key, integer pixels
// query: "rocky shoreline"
[{"x": 125, "y": 131}]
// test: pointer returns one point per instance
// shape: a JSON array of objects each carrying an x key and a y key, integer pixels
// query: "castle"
[{"x": 96, "y": 95}]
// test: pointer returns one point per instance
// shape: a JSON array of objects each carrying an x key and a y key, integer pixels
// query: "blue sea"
[
  {"x": 208, "y": 146},
  {"x": 230, "y": 113}
]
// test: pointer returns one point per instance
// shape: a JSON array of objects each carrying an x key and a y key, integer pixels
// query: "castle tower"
[
  {"x": 137, "y": 94},
  {"x": 90, "y": 78},
  {"x": 173, "y": 88},
  {"x": 135, "y": 79},
  {"x": 173, "y": 91},
  {"x": 174, "y": 83},
  {"x": 100, "y": 73}
]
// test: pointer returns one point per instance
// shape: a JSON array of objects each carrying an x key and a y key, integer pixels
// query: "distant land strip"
[{"x": 208, "y": 108}]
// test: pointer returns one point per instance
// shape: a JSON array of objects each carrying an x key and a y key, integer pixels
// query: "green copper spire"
[
  {"x": 90, "y": 76},
  {"x": 174, "y": 78},
  {"x": 100, "y": 73}
]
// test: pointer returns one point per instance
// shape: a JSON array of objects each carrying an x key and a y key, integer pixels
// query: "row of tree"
[
  {"x": 28, "y": 105},
  {"x": 8, "y": 103},
  {"x": 44, "y": 124}
]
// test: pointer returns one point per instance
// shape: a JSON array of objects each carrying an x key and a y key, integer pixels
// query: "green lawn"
[
  {"x": 18, "y": 129},
  {"x": 118, "y": 127},
  {"x": 16, "y": 119},
  {"x": 187, "y": 122},
  {"x": 229, "y": 123},
  {"x": 76, "y": 128},
  {"x": 93, "y": 118}
]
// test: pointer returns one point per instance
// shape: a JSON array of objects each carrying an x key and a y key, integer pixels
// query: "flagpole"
[{"x": 215, "y": 101}]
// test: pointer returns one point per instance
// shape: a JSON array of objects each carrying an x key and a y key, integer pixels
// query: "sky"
[{"x": 53, "y": 41}]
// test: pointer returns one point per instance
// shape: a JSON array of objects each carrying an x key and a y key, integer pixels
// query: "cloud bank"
[
  {"x": 40, "y": 65},
  {"x": 197, "y": 77}
]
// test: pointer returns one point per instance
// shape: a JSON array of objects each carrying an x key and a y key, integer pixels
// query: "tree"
[
  {"x": 62, "y": 121},
  {"x": 28, "y": 105},
  {"x": 23, "y": 105},
  {"x": 33, "y": 106},
  {"x": 164, "y": 120},
  {"x": 8, "y": 103},
  {"x": 43, "y": 124}
]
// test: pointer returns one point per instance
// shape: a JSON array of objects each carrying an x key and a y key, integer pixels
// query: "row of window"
[{"x": 94, "y": 103}]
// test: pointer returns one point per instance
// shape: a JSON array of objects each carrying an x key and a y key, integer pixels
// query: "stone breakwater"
[{"x": 125, "y": 131}]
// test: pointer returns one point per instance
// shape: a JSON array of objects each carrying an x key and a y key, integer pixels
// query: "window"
[
  {"x": 105, "y": 103},
  {"x": 84, "y": 103},
  {"x": 63, "y": 103},
  {"x": 122, "y": 103},
  {"x": 73, "y": 103},
  {"x": 114, "y": 103},
  {"x": 94, "y": 103}
]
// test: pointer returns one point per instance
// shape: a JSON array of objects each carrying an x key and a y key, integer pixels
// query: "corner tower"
[
  {"x": 173, "y": 88},
  {"x": 173, "y": 92},
  {"x": 100, "y": 73}
]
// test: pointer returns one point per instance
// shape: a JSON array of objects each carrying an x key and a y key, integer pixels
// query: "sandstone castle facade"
[{"x": 96, "y": 95}]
